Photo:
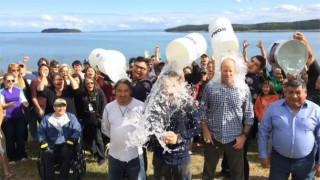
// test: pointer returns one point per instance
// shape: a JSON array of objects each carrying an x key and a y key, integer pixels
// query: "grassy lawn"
[{"x": 28, "y": 170}]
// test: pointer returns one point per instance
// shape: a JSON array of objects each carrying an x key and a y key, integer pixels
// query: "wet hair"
[
  {"x": 76, "y": 63},
  {"x": 295, "y": 83},
  {"x": 54, "y": 63},
  {"x": 262, "y": 61},
  {"x": 142, "y": 59},
  {"x": 41, "y": 60},
  {"x": 126, "y": 82},
  {"x": 270, "y": 84}
]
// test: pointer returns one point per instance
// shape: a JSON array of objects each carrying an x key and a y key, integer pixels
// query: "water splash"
[{"x": 169, "y": 94}]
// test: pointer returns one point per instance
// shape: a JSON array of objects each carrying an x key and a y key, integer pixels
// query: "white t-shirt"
[{"x": 117, "y": 122}]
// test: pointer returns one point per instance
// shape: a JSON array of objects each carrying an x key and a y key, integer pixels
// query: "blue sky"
[{"x": 104, "y": 15}]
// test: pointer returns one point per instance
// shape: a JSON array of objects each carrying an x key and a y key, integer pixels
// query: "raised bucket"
[
  {"x": 290, "y": 55},
  {"x": 109, "y": 62},
  {"x": 223, "y": 39},
  {"x": 183, "y": 51}
]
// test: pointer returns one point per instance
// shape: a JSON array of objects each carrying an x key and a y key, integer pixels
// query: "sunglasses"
[
  {"x": 15, "y": 70},
  {"x": 139, "y": 67},
  {"x": 8, "y": 81}
]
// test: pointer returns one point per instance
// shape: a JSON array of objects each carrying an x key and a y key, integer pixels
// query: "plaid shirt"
[{"x": 226, "y": 110}]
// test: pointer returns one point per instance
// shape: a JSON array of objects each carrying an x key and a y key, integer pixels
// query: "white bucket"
[
  {"x": 183, "y": 51},
  {"x": 290, "y": 55},
  {"x": 109, "y": 62},
  {"x": 223, "y": 39}
]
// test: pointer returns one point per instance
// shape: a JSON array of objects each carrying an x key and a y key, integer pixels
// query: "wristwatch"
[{"x": 245, "y": 134}]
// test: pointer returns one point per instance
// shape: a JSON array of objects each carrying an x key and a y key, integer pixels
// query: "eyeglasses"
[
  {"x": 139, "y": 67},
  {"x": 8, "y": 81},
  {"x": 15, "y": 70}
]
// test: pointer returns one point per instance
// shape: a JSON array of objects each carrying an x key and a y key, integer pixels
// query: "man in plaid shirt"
[{"x": 226, "y": 114}]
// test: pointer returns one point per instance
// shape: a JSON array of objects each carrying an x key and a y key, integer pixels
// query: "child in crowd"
[{"x": 267, "y": 96}]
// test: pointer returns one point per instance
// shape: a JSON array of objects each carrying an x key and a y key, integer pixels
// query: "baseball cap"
[
  {"x": 59, "y": 101},
  {"x": 204, "y": 54},
  {"x": 20, "y": 63},
  {"x": 85, "y": 61}
]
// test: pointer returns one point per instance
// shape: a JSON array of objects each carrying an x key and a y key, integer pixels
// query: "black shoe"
[
  {"x": 224, "y": 174},
  {"x": 101, "y": 162}
]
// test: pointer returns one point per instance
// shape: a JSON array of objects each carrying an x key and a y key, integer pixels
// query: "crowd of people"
[{"x": 62, "y": 104}]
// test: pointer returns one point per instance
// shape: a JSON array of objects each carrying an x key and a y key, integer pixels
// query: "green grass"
[{"x": 28, "y": 170}]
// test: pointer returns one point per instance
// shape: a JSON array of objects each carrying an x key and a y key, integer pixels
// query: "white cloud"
[
  {"x": 124, "y": 26},
  {"x": 98, "y": 22},
  {"x": 46, "y": 17}
]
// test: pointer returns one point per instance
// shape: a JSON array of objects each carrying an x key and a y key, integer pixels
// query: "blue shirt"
[
  {"x": 226, "y": 110},
  {"x": 293, "y": 136}
]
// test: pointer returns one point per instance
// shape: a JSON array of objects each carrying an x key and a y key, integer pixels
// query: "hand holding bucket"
[
  {"x": 223, "y": 39},
  {"x": 109, "y": 62},
  {"x": 290, "y": 55},
  {"x": 183, "y": 51}
]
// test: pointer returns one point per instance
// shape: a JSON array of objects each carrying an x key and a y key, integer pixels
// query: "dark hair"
[
  {"x": 131, "y": 60},
  {"x": 262, "y": 61},
  {"x": 76, "y": 63},
  {"x": 126, "y": 82},
  {"x": 75, "y": 75},
  {"x": 41, "y": 60},
  {"x": 295, "y": 83},
  {"x": 270, "y": 84},
  {"x": 57, "y": 74},
  {"x": 141, "y": 59},
  {"x": 152, "y": 56},
  {"x": 95, "y": 89},
  {"x": 54, "y": 63},
  {"x": 40, "y": 66}
]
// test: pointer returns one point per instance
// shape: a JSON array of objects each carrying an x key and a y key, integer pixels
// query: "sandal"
[{"x": 8, "y": 176}]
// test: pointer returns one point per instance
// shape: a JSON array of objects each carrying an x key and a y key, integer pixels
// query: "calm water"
[{"x": 68, "y": 47}]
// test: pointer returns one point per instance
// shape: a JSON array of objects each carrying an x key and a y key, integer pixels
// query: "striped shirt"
[{"x": 226, "y": 110}]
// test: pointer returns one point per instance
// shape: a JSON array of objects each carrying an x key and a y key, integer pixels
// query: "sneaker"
[
  {"x": 11, "y": 162},
  {"x": 101, "y": 162},
  {"x": 24, "y": 159}
]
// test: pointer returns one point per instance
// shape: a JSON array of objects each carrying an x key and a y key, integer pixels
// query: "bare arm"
[
  {"x": 299, "y": 36},
  {"x": 73, "y": 82},
  {"x": 244, "y": 50},
  {"x": 263, "y": 52}
]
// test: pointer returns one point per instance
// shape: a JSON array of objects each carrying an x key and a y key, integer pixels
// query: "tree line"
[{"x": 268, "y": 26}]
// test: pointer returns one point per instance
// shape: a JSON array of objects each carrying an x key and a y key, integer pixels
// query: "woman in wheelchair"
[{"x": 58, "y": 134}]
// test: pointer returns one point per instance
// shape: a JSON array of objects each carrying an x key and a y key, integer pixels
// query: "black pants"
[
  {"x": 61, "y": 153},
  {"x": 14, "y": 130},
  {"x": 225, "y": 165},
  {"x": 93, "y": 136}
]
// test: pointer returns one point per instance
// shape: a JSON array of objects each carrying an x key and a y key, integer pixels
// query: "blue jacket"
[{"x": 47, "y": 132}]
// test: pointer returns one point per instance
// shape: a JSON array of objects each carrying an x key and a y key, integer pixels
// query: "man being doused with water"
[{"x": 182, "y": 126}]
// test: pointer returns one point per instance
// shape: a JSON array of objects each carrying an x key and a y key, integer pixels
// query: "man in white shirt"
[{"x": 117, "y": 123}]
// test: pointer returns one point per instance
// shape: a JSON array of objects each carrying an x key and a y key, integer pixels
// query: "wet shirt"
[
  {"x": 293, "y": 135},
  {"x": 226, "y": 109}
]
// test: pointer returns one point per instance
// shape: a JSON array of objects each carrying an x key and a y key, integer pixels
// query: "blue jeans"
[
  {"x": 281, "y": 167},
  {"x": 131, "y": 170},
  {"x": 161, "y": 170}
]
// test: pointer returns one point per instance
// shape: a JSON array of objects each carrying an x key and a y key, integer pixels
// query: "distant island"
[
  {"x": 270, "y": 26},
  {"x": 57, "y": 30}
]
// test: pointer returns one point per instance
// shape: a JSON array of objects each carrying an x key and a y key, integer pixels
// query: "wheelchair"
[{"x": 77, "y": 164}]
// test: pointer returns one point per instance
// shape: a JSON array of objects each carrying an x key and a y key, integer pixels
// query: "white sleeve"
[
  {"x": 22, "y": 97},
  {"x": 105, "y": 124},
  {"x": 2, "y": 99}
]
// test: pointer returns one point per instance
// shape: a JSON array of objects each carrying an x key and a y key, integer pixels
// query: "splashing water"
[{"x": 169, "y": 94}]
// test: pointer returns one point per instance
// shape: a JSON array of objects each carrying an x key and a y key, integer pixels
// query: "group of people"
[{"x": 63, "y": 104}]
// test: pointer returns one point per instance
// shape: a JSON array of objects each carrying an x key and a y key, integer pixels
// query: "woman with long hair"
[
  {"x": 90, "y": 104},
  {"x": 14, "y": 123},
  {"x": 58, "y": 90}
]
